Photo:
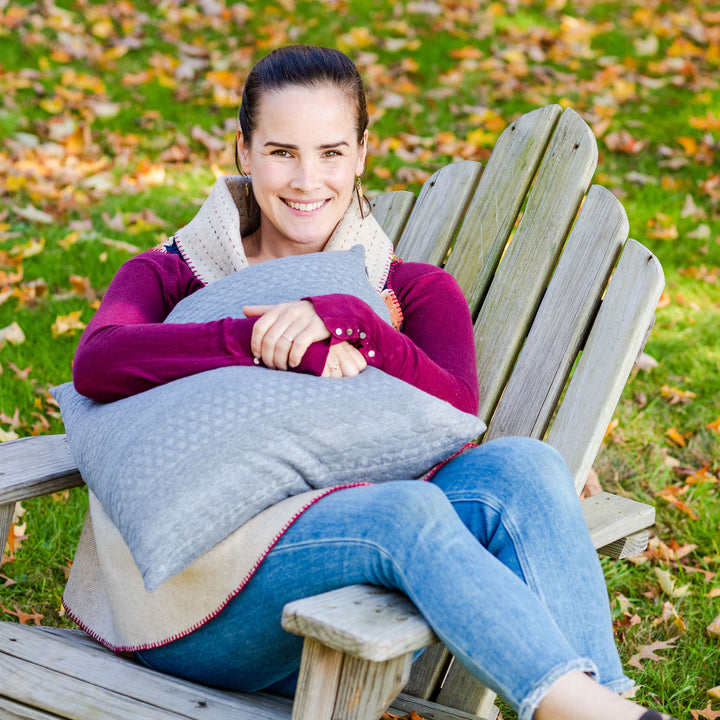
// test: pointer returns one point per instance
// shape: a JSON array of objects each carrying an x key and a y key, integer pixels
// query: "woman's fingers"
[
  {"x": 344, "y": 360},
  {"x": 284, "y": 332}
]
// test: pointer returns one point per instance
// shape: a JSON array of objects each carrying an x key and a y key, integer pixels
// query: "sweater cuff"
[
  {"x": 313, "y": 361},
  {"x": 349, "y": 319}
]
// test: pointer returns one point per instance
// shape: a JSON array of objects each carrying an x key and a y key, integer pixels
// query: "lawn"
[{"x": 117, "y": 117}]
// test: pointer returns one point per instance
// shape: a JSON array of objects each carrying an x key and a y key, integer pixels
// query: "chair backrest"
[{"x": 562, "y": 302}]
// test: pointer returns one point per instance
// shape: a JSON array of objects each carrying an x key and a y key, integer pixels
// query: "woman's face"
[{"x": 303, "y": 160}]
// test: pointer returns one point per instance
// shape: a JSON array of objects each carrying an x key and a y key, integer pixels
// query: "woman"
[{"x": 530, "y": 622}]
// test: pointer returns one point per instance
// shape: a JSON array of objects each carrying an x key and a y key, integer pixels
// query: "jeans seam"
[{"x": 513, "y": 533}]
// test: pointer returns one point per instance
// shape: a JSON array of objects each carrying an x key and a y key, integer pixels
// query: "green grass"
[{"x": 461, "y": 58}]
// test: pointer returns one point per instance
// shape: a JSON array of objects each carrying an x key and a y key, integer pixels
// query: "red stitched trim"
[
  {"x": 223, "y": 605},
  {"x": 191, "y": 265},
  {"x": 431, "y": 474},
  {"x": 162, "y": 247},
  {"x": 393, "y": 305},
  {"x": 390, "y": 298}
]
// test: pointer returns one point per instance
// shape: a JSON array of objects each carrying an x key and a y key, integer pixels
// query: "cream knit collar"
[{"x": 211, "y": 242}]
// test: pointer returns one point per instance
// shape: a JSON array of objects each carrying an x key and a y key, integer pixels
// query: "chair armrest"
[
  {"x": 617, "y": 525},
  {"x": 367, "y": 622},
  {"x": 35, "y": 466}
]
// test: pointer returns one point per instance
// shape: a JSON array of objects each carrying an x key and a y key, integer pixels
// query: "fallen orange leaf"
[
  {"x": 23, "y": 617},
  {"x": 67, "y": 324},
  {"x": 674, "y": 435},
  {"x": 714, "y": 426},
  {"x": 676, "y": 395}
]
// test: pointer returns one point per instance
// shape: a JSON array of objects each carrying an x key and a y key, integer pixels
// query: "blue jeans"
[{"x": 494, "y": 552}]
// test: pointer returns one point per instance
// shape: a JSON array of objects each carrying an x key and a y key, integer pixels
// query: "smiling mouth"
[{"x": 304, "y": 207}]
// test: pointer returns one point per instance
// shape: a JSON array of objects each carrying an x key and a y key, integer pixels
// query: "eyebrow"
[{"x": 288, "y": 146}]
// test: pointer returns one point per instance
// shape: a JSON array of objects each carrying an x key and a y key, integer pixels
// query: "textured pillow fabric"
[
  {"x": 181, "y": 466},
  {"x": 282, "y": 280}
]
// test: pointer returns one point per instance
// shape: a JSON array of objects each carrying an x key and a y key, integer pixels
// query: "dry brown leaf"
[
  {"x": 707, "y": 713},
  {"x": 13, "y": 334},
  {"x": 713, "y": 629},
  {"x": 647, "y": 652}
]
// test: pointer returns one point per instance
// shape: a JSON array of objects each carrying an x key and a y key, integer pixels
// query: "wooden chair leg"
[
  {"x": 336, "y": 686},
  {"x": 464, "y": 691},
  {"x": 7, "y": 510},
  {"x": 367, "y": 688},
  {"x": 318, "y": 682}
]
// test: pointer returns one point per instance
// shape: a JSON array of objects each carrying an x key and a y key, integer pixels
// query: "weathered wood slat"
[
  {"x": 607, "y": 359},
  {"x": 44, "y": 688},
  {"x": 561, "y": 324},
  {"x": 10, "y": 710},
  {"x": 493, "y": 211},
  {"x": 33, "y": 466},
  {"x": 464, "y": 691},
  {"x": 428, "y": 672},
  {"x": 438, "y": 213},
  {"x": 521, "y": 277},
  {"x": 392, "y": 211},
  {"x": 404, "y": 704},
  {"x": 54, "y": 674},
  {"x": 365, "y": 621}
]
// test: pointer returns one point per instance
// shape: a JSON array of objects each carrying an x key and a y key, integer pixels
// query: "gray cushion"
[
  {"x": 282, "y": 280},
  {"x": 181, "y": 466}
]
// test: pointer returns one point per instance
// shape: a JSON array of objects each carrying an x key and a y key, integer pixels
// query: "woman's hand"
[
  {"x": 344, "y": 360},
  {"x": 284, "y": 332}
]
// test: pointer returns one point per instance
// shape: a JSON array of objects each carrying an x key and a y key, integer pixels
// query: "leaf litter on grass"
[{"x": 106, "y": 102}]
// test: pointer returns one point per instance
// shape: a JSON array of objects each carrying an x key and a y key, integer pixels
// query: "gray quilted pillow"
[{"x": 181, "y": 466}]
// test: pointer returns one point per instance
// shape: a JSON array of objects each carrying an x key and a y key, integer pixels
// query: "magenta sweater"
[{"x": 126, "y": 348}]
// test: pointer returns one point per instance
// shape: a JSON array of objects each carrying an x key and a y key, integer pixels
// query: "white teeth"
[{"x": 305, "y": 207}]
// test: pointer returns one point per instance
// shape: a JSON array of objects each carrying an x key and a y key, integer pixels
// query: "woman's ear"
[
  {"x": 242, "y": 153},
  {"x": 360, "y": 168}
]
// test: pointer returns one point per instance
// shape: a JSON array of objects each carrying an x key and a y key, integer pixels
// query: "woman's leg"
[
  {"x": 403, "y": 535},
  {"x": 517, "y": 498}
]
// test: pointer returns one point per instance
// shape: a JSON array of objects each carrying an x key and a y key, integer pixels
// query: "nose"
[{"x": 306, "y": 176}]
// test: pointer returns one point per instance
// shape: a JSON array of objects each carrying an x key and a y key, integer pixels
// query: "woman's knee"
[
  {"x": 514, "y": 468},
  {"x": 412, "y": 501}
]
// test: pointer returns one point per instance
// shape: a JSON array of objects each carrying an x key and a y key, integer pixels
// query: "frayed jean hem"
[
  {"x": 530, "y": 703},
  {"x": 620, "y": 686}
]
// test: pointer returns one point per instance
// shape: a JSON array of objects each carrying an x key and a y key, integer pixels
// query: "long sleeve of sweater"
[{"x": 127, "y": 348}]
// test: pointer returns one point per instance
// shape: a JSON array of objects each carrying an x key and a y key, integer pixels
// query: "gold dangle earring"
[{"x": 360, "y": 196}]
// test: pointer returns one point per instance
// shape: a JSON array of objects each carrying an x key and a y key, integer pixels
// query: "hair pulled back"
[{"x": 305, "y": 66}]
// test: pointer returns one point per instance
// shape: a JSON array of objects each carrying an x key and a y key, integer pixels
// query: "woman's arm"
[
  {"x": 126, "y": 348},
  {"x": 435, "y": 350}
]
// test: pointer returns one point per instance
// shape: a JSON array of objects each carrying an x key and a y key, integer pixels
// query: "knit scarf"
[{"x": 211, "y": 243}]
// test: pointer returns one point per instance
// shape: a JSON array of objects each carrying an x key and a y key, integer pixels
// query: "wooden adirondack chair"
[{"x": 563, "y": 306}]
